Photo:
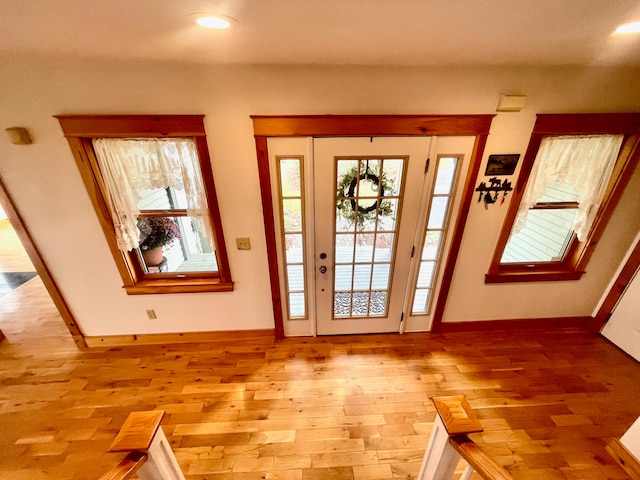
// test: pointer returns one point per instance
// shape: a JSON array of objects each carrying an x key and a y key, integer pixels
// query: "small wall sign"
[{"x": 502, "y": 164}]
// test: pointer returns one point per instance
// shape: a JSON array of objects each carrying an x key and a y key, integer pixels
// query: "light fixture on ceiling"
[
  {"x": 216, "y": 22},
  {"x": 628, "y": 28}
]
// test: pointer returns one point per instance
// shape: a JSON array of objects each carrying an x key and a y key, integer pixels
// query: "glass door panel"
[{"x": 368, "y": 189}]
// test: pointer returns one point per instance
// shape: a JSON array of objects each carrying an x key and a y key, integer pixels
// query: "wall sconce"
[
  {"x": 510, "y": 103},
  {"x": 18, "y": 135}
]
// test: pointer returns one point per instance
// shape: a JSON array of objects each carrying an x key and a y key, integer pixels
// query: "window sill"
[
  {"x": 147, "y": 287},
  {"x": 528, "y": 276}
]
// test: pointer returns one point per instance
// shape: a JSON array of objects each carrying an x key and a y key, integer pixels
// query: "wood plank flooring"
[{"x": 349, "y": 407}]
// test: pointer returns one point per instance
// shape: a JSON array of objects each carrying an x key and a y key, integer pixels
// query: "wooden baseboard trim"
[
  {"x": 515, "y": 324},
  {"x": 227, "y": 336}
]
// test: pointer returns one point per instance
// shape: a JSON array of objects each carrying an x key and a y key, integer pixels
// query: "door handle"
[{"x": 323, "y": 269}]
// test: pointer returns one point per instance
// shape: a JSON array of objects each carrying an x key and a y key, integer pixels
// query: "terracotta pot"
[{"x": 153, "y": 256}]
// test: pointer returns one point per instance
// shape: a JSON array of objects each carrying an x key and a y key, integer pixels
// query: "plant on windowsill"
[{"x": 156, "y": 233}]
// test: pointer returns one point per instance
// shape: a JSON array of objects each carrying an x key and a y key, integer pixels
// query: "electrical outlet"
[
  {"x": 243, "y": 243},
  {"x": 151, "y": 314}
]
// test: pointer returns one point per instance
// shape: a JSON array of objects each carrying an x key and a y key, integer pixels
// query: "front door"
[{"x": 363, "y": 229}]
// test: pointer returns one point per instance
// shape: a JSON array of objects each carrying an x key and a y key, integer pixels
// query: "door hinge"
[
  {"x": 401, "y": 318},
  {"x": 413, "y": 250},
  {"x": 426, "y": 165}
]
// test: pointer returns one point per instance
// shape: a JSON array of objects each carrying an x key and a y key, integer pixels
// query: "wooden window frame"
[
  {"x": 577, "y": 255},
  {"x": 80, "y": 130}
]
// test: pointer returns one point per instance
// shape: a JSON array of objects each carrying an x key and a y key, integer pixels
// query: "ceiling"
[{"x": 324, "y": 32}]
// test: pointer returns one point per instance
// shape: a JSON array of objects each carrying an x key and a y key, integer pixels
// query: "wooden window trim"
[
  {"x": 80, "y": 130},
  {"x": 573, "y": 265}
]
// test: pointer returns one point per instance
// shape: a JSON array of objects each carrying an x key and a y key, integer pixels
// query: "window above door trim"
[{"x": 572, "y": 265}]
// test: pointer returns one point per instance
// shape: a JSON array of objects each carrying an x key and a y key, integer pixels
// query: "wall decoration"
[
  {"x": 347, "y": 199},
  {"x": 491, "y": 192},
  {"x": 502, "y": 164}
]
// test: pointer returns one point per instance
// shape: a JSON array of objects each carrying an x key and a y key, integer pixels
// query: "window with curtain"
[
  {"x": 567, "y": 190},
  {"x": 151, "y": 183}
]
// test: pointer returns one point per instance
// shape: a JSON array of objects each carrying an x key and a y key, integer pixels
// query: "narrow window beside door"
[
  {"x": 435, "y": 233},
  {"x": 292, "y": 228}
]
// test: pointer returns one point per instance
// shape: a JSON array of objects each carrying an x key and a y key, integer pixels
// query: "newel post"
[
  {"x": 455, "y": 417},
  {"x": 141, "y": 432}
]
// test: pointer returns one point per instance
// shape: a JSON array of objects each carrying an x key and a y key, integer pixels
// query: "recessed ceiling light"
[
  {"x": 629, "y": 28},
  {"x": 218, "y": 22}
]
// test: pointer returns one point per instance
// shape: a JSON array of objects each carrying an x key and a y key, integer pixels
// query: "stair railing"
[
  {"x": 149, "y": 454},
  {"x": 449, "y": 442}
]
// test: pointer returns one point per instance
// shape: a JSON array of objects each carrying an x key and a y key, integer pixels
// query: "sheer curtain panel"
[
  {"x": 130, "y": 165},
  {"x": 586, "y": 162}
]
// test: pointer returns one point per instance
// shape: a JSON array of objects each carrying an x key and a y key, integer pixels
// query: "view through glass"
[{"x": 369, "y": 192}]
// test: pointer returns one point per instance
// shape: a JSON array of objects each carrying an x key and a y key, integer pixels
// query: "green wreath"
[{"x": 347, "y": 206}]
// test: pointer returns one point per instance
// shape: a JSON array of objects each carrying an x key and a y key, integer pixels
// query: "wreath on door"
[{"x": 356, "y": 213}]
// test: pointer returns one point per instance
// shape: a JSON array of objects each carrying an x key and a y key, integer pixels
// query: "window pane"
[
  {"x": 175, "y": 244},
  {"x": 343, "y": 277},
  {"x": 290, "y": 177},
  {"x": 293, "y": 248},
  {"x": 381, "y": 274},
  {"x": 420, "y": 301},
  {"x": 445, "y": 176},
  {"x": 297, "y": 305},
  {"x": 544, "y": 238},
  {"x": 438, "y": 212},
  {"x": 360, "y": 304},
  {"x": 425, "y": 274},
  {"x": 387, "y": 222},
  {"x": 364, "y": 247},
  {"x": 431, "y": 245},
  {"x": 344, "y": 248},
  {"x": 384, "y": 247},
  {"x": 362, "y": 277},
  {"x": 559, "y": 192},
  {"x": 295, "y": 277},
  {"x": 341, "y": 304},
  {"x": 392, "y": 173},
  {"x": 292, "y": 212}
]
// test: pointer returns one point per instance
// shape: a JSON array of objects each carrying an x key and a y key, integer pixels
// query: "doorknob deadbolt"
[
  {"x": 323, "y": 255},
  {"x": 323, "y": 269}
]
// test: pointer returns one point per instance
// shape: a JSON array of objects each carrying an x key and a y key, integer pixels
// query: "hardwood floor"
[{"x": 349, "y": 407}]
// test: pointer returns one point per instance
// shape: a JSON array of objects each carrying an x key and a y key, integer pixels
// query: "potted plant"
[{"x": 155, "y": 233}]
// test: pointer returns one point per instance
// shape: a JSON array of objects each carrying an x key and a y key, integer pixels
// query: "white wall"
[{"x": 49, "y": 193}]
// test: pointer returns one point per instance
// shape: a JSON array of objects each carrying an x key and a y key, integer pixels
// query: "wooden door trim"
[
  {"x": 265, "y": 126},
  {"x": 15, "y": 219}
]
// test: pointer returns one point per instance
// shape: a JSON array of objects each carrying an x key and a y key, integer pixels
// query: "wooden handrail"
[
  {"x": 480, "y": 461},
  {"x": 449, "y": 442},
  {"x": 148, "y": 450},
  {"x": 127, "y": 467}
]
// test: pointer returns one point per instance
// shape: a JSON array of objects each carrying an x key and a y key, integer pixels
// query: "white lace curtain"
[
  {"x": 586, "y": 162},
  {"x": 131, "y": 165}
]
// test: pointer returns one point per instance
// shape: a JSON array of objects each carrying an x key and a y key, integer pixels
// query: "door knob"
[{"x": 323, "y": 269}]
